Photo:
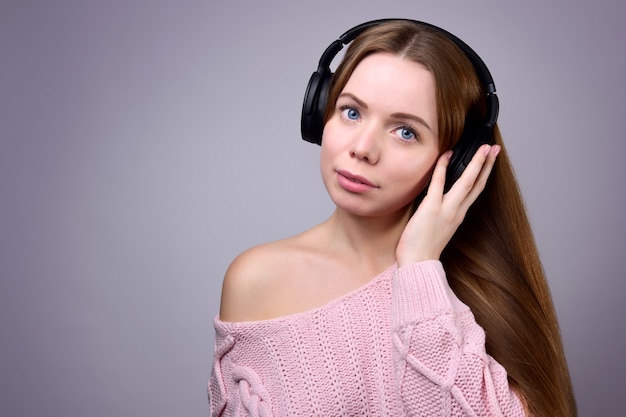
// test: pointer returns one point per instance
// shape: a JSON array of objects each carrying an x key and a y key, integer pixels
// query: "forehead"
[{"x": 392, "y": 83}]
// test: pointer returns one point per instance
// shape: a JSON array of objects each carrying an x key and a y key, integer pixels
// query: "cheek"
[
  {"x": 414, "y": 179},
  {"x": 330, "y": 133},
  {"x": 327, "y": 156},
  {"x": 331, "y": 146}
]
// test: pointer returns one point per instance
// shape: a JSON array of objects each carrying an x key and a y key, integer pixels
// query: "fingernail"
[
  {"x": 449, "y": 154},
  {"x": 496, "y": 150},
  {"x": 486, "y": 149}
]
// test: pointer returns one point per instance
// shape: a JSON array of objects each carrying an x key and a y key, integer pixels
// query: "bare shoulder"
[
  {"x": 288, "y": 276},
  {"x": 254, "y": 281}
]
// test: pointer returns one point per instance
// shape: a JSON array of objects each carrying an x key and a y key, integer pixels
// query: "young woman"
[{"x": 397, "y": 305}]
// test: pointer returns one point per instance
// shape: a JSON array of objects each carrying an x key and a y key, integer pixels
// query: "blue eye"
[
  {"x": 350, "y": 113},
  {"x": 406, "y": 133}
]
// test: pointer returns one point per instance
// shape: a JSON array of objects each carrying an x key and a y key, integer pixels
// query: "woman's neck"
[{"x": 371, "y": 240}]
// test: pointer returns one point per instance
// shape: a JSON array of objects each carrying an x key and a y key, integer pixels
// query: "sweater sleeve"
[
  {"x": 234, "y": 390},
  {"x": 442, "y": 366}
]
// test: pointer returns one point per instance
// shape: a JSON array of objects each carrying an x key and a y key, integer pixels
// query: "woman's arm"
[
  {"x": 442, "y": 367},
  {"x": 235, "y": 389}
]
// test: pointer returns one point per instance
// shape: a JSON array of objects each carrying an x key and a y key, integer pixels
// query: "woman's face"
[{"x": 380, "y": 144}]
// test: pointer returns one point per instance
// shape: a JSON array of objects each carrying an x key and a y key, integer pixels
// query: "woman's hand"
[{"x": 439, "y": 215}]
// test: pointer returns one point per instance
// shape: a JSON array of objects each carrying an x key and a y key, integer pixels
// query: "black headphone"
[{"x": 316, "y": 99}]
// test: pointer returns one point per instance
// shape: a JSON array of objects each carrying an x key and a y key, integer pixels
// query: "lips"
[
  {"x": 356, "y": 178},
  {"x": 354, "y": 183}
]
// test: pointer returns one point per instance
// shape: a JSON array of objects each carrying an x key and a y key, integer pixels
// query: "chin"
[{"x": 370, "y": 210}]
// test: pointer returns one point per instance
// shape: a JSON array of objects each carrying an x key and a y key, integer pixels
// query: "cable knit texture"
[{"x": 402, "y": 345}]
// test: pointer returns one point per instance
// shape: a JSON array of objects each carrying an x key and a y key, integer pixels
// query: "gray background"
[{"x": 145, "y": 143}]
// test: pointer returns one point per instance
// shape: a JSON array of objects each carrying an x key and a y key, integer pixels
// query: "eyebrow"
[{"x": 397, "y": 115}]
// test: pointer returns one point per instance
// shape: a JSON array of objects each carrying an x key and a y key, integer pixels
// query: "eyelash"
[
  {"x": 345, "y": 107},
  {"x": 411, "y": 130},
  {"x": 407, "y": 127}
]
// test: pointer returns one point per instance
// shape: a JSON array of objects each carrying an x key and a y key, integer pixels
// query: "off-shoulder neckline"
[{"x": 299, "y": 315}]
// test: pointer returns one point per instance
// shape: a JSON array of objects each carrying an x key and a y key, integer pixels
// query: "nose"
[{"x": 365, "y": 146}]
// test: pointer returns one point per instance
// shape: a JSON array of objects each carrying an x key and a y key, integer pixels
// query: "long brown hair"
[{"x": 492, "y": 262}]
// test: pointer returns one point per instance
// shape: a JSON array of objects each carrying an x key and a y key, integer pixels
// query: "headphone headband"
[{"x": 481, "y": 69}]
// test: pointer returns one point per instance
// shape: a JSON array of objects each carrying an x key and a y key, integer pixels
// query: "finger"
[
  {"x": 461, "y": 189},
  {"x": 483, "y": 175},
  {"x": 485, "y": 172},
  {"x": 438, "y": 179}
]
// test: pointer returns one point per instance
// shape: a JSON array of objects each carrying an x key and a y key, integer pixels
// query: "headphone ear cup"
[
  {"x": 465, "y": 150},
  {"x": 314, "y": 107}
]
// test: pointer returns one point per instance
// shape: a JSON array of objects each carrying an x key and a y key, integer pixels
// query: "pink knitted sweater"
[{"x": 401, "y": 345}]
